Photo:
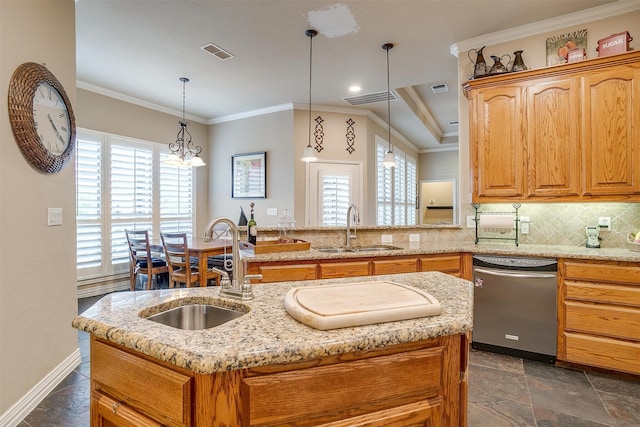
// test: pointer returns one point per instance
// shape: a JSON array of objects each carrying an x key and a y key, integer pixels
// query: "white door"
[{"x": 332, "y": 186}]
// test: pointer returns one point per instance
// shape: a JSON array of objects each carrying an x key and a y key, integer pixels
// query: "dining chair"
[
  {"x": 181, "y": 269},
  {"x": 140, "y": 259}
]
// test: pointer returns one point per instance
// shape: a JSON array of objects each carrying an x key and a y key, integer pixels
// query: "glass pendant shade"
[
  {"x": 309, "y": 155},
  {"x": 389, "y": 160}
]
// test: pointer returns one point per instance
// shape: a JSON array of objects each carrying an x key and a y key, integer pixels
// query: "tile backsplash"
[
  {"x": 565, "y": 223},
  {"x": 550, "y": 224}
]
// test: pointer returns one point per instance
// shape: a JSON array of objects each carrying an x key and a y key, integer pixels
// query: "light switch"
[
  {"x": 54, "y": 216},
  {"x": 387, "y": 238}
]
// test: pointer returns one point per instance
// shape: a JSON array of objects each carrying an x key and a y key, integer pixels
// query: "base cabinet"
[
  {"x": 413, "y": 384},
  {"x": 599, "y": 314},
  {"x": 283, "y": 271}
]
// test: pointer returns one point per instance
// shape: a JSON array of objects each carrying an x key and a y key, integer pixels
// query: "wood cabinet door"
[
  {"x": 611, "y": 123},
  {"x": 108, "y": 412},
  {"x": 553, "y": 137},
  {"x": 498, "y": 142},
  {"x": 285, "y": 273}
]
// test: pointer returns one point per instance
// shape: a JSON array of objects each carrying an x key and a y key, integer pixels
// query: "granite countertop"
[
  {"x": 507, "y": 249},
  {"x": 266, "y": 334}
]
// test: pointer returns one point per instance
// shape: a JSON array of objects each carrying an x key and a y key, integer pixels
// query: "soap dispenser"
[{"x": 285, "y": 225}]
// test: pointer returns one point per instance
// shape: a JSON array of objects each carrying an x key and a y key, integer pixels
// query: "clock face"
[{"x": 51, "y": 119}]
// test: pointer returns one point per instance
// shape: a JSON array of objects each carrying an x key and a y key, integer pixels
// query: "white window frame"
[
  {"x": 396, "y": 200},
  {"x": 119, "y": 265}
]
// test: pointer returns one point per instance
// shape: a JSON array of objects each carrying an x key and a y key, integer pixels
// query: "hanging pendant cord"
[
  {"x": 387, "y": 47},
  {"x": 311, "y": 34}
]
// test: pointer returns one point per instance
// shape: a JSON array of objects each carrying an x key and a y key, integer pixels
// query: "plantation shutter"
[
  {"x": 176, "y": 198},
  {"x": 88, "y": 203}
]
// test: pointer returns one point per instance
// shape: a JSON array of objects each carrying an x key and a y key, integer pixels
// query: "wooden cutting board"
[{"x": 355, "y": 304}]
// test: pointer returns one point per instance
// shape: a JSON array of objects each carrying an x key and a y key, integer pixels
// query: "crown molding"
[
  {"x": 135, "y": 101},
  {"x": 452, "y": 147},
  {"x": 552, "y": 24}
]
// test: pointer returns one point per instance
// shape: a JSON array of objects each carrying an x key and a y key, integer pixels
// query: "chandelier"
[{"x": 184, "y": 153}]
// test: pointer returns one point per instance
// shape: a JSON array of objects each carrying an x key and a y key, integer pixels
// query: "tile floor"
[{"x": 503, "y": 391}]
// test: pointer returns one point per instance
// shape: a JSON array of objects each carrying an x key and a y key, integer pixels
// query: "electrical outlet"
[
  {"x": 272, "y": 211},
  {"x": 387, "y": 238},
  {"x": 524, "y": 228},
  {"x": 524, "y": 219},
  {"x": 471, "y": 221},
  {"x": 604, "y": 223},
  {"x": 54, "y": 216},
  {"x": 414, "y": 238}
]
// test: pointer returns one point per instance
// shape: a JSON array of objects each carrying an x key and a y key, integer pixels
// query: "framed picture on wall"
[
  {"x": 249, "y": 176},
  {"x": 558, "y": 47}
]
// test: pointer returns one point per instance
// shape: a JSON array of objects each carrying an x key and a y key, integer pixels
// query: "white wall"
[{"x": 37, "y": 263}]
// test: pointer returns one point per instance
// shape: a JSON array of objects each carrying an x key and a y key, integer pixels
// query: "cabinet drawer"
[
  {"x": 420, "y": 414},
  {"x": 601, "y": 319},
  {"x": 445, "y": 264},
  {"x": 108, "y": 412},
  {"x": 603, "y": 352},
  {"x": 596, "y": 292},
  {"x": 310, "y": 397},
  {"x": 394, "y": 266},
  {"x": 604, "y": 273},
  {"x": 285, "y": 273},
  {"x": 344, "y": 269},
  {"x": 142, "y": 384}
]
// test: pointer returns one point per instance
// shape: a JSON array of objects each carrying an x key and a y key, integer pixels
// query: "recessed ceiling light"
[{"x": 355, "y": 88}]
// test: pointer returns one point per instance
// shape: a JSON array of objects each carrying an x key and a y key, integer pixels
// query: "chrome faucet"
[
  {"x": 356, "y": 218},
  {"x": 240, "y": 285}
]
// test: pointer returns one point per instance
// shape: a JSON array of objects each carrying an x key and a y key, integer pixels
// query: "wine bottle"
[{"x": 252, "y": 231}]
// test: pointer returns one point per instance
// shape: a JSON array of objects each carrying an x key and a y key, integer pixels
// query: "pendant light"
[
  {"x": 309, "y": 154},
  {"x": 183, "y": 152},
  {"x": 389, "y": 159}
]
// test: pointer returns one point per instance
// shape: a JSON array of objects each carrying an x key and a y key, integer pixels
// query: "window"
[
  {"x": 121, "y": 183},
  {"x": 396, "y": 188}
]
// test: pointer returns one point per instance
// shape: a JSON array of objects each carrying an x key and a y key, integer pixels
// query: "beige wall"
[
  {"x": 101, "y": 113},
  {"x": 37, "y": 263},
  {"x": 272, "y": 133},
  {"x": 335, "y": 144}
]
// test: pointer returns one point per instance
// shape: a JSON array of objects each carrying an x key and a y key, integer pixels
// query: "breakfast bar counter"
[{"x": 264, "y": 368}]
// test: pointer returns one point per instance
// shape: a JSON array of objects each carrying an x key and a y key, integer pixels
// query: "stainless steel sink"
[
  {"x": 370, "y": 248},
  {"x": 195, "y": 316},
  {"x": 332, "y": 249},
  {"x": 374, "y": 248}
]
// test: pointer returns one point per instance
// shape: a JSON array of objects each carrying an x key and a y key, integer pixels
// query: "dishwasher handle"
[{"x": 515, "y": 274}]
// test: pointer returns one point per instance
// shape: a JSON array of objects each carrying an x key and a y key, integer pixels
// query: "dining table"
[{"x": 202, "y": 250}]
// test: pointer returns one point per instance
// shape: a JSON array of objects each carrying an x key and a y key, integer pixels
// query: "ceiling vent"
[
  {"x": 439, "y": 88},
  {"x": 217, "y": 51},
  {"x": 369, "y": 98},
  {"x": 453, "y": 123}
]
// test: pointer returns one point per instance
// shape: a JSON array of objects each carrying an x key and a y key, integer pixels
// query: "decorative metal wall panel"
[
  {"x": 351, "y": 136},
  {"x": 318, "y": 133}
]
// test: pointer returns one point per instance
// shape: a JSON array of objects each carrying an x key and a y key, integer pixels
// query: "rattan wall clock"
[{"x": 41, "y": 118}]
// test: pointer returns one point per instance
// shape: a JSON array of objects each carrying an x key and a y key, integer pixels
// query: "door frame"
[{"x": 360, "y": 180}]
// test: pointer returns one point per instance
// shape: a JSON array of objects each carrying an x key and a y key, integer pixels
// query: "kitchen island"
[{"x": 267, "y": 369}]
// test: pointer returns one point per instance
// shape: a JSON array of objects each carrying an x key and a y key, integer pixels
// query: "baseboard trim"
[
  {"x": 92, "y": 291},
  {"x": 14, "y": 415}
]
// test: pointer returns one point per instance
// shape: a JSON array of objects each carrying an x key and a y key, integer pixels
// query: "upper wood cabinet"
[
  {"x": 611, "y": 102},
  {"x": 564, "y": 133},
  {"x": 498, "y": 149}
]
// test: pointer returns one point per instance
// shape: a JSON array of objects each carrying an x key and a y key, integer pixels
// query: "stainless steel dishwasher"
[{"x": 515, "y": 306}]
